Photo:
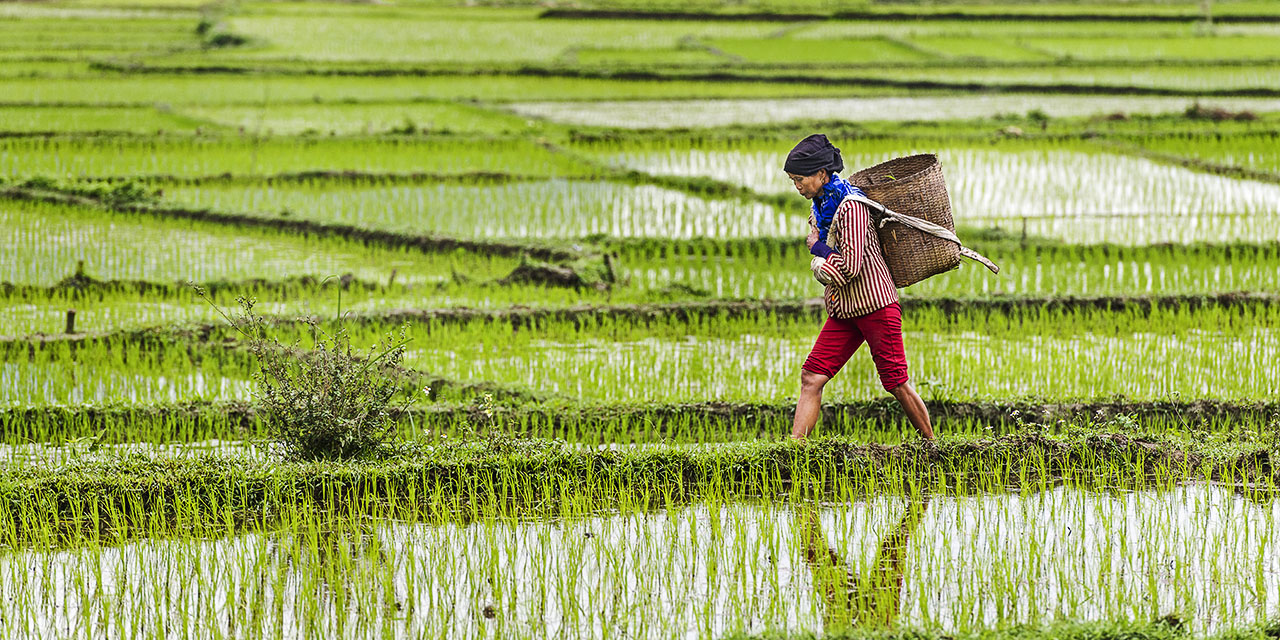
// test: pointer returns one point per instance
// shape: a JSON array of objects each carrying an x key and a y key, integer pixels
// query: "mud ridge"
[
  {"x": 658, "y": 421},
  {"x": 685, "y": 311},
  {"x": 1202, "y": 166},
  {"x": 717, "y": 76},
  {"x": 522, "y": 317},
  {"x": 345, "y": 176},
  {"x": 79, "y": 286}
]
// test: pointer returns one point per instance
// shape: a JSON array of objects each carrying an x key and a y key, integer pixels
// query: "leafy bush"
[{"x": 327, "y": 403}]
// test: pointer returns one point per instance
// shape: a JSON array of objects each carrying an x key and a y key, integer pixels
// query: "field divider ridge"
[
  {"x": 661, "y": 420},
  {"x": 143, "y": 494},
  {"x": 690, "y": 310},
  {"x": 744, "y": 75},
  {"x": 1193, "y": 164}
]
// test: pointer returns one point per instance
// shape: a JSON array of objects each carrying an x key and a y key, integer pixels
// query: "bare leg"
[
  {"x": 911, "y": 403},
  {"x": 810, "y": 404}
]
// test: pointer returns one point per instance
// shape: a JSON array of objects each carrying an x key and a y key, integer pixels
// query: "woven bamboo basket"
[{"x": 912, "y": 186}]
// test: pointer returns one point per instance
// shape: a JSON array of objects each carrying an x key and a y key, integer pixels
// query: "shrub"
[{"x": 329, "y": 402}]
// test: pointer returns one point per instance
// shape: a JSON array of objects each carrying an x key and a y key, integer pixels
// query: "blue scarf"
[{"x": 828, "y": 200}]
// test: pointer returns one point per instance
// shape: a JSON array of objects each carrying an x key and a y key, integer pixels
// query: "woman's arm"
[{"x": 851, "y": 222}]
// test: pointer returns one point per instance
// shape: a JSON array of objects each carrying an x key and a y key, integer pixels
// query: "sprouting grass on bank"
[{"x": 52, "y": 434}]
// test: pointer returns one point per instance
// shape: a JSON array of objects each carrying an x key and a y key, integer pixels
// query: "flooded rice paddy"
[
  {"x": 961, "y": 365},
  {"x": 535, "y": 209},
  {"x": 717, "y": 113},
  {"x": 584, "y": 223},
  {"x": 1066, "y": 195},
  {"x": 951, "y": 563}
]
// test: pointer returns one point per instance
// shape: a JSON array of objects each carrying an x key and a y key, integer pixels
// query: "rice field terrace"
[{"x": 424, "y": 318}]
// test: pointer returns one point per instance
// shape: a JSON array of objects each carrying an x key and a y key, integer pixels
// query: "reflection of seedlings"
[
  {"x": 873, "y": 598},
  {"x": 336, "y": 561}
]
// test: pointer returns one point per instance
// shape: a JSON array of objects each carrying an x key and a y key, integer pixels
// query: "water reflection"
[
  {"x": 872, "y": 597},
  {"x": 954, "y": 564}
]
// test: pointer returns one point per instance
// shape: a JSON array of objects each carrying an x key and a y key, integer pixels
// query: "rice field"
[
  {"x": 530, "y": 304},
  {"x": 1069, "y": 193},
  {"x": 44, "y": 244},
  {"x": 660, "y": 114},
  {"x": 715, "y": 568},
  {"x": 251, "y": 155},
  {"x": 277, "y": 90},
  {"x": 515, "y": 210}
]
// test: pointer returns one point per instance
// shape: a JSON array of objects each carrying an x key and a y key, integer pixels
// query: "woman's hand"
[{"x": 813, "y": 236}]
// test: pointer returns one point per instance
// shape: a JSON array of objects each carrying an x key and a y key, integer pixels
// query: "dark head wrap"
[{"x": 813, "y": 154}]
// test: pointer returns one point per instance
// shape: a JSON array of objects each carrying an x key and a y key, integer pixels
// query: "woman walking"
[{"x": 861, "y": 301}]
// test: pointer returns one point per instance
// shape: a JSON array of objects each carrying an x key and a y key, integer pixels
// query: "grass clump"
[
  {"x": 330, "y": 402},
  {"x": 120, "y": 193}
]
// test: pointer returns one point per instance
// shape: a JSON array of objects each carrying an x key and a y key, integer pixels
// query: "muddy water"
[{"x": 698, "y": 571}]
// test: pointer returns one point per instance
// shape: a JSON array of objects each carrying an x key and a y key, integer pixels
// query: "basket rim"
[{"x": 934, "y": 162}]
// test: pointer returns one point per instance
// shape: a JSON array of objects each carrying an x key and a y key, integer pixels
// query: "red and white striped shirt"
[{"x": 858, "y": 278}]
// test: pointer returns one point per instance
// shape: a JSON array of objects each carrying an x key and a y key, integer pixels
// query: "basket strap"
[{"x": 889, "y": 215}]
